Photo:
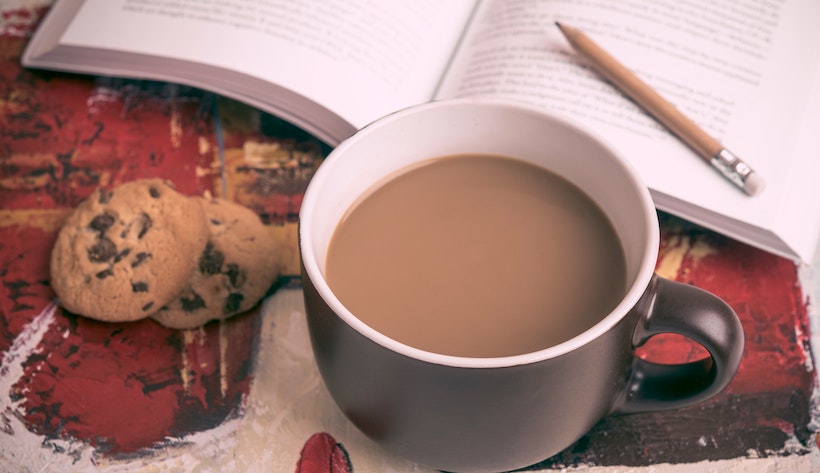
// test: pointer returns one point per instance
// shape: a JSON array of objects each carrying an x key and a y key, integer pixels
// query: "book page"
[
  {"x": 359, "y": 58},
  {"x": 740, "y": 68}
]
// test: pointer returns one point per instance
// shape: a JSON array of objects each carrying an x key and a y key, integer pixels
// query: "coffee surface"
[{"x": 477, "y": 256}]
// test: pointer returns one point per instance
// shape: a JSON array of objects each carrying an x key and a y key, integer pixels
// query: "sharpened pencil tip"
[{"x": 568, "y": 31}]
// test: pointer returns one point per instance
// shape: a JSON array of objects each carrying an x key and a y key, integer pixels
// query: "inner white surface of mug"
[{"x": 453, "y": 127}]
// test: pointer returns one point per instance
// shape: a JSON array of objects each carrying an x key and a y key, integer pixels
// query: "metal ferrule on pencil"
[{"x": 732, "y": 167}]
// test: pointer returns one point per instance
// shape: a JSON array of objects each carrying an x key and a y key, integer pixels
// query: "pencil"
[{"x": 707, "y": 147}]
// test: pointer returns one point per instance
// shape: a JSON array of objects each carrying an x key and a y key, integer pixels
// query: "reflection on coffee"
[{"x": 478, "y": 256}]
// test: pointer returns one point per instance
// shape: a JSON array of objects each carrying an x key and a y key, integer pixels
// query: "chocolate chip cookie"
[
  {"x": 234, "y": 271},
  {"x": 126, "y": 252}
]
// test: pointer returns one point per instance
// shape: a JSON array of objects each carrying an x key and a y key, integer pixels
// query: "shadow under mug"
[{"x": 492, "y": 414}]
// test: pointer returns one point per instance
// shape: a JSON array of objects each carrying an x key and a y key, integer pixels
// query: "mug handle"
[{"x": 673, "y": 307}]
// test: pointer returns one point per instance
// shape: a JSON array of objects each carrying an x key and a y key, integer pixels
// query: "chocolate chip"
[
  {"x": 154, "y": 192},
  {"x": 139, "y": 286},
  {"x": 104, "y": 273},
  {"x": 122, "y": 254},
  {"x": 215, "y": 222},
  {"x": 210, "y": 262},
  {"x": 105, "y": 196},
  {"x": 235, "y": 275},
  {"x": 145, "y": 224},
  {"x": 140, "y": 258},
  {"x": 233, "y": 302},
  {"x": 193, "y": 303},
  {"x": 147, "y": 306},
  {"x": 102, "y": 251},
  {"x": 102, "y": 222}
]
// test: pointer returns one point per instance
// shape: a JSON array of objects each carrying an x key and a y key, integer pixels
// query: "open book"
[{"x": 746, "y": 71}]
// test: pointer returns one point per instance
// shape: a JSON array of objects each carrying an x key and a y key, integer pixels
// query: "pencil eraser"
[{"x": 753, "y": 184}]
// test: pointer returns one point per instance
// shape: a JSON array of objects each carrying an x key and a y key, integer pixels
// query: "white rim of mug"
[{"x": 629, "y": 301}]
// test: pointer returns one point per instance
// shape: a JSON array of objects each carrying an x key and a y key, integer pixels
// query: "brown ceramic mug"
[{"x": 491, "y": 414}]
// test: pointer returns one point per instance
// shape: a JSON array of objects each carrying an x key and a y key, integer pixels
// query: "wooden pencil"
[{"x": 706, "y": 146}]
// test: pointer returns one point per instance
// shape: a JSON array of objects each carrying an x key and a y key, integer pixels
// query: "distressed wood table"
[{"x": 244, "y": 394}]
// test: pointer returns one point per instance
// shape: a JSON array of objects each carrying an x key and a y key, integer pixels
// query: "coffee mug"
[{"x": 461, "y": 413}]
